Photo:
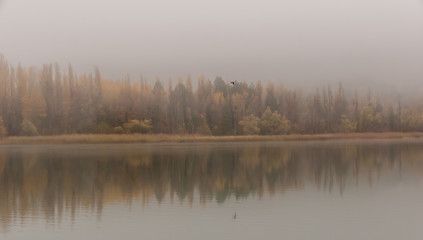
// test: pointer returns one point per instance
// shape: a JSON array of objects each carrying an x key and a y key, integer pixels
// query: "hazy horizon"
[{"x": 299, "y": 43}]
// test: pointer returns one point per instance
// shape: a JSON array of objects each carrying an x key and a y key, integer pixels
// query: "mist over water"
[
  {"x": 296, "y": 43},
  {"x": 326, "y": 189},
  {"x": 349, "y": 189}
]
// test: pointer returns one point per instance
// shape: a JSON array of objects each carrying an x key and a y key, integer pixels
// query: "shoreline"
[{"x": 153, "y": 138}]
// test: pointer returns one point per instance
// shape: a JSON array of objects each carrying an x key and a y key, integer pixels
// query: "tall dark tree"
[{"x": 271, "y": 100}]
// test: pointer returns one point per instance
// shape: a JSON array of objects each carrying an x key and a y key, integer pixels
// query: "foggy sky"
[{"x": 299, "y": 42}]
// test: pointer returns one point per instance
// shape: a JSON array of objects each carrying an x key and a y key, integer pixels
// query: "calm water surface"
[{"x": 349, "y": 189}]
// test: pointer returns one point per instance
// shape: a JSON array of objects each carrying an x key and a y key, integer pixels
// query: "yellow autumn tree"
[
  {"x": 249, "y": 125},
  {"x": 273, "y": 123},
  {"x": 3, "y": 130}
]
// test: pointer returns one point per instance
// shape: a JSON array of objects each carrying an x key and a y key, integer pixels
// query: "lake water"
[{"x": 343, "y": 189}]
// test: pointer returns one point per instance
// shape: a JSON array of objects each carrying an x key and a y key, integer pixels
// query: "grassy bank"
[{"x": 140, "y": 138}]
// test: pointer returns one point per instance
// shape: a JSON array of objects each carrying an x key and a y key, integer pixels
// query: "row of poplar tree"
[{"x": 51, "y": 101}]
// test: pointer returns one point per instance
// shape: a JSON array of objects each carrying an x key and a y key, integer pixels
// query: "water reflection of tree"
[{"x": 52, "y": 182}]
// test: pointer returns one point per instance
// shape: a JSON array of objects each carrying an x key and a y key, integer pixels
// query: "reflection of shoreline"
[
  {"x": 140, "y": 138},
  {"x": 34, "y": 181}
]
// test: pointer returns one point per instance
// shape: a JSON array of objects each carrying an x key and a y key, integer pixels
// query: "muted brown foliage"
[{"x": 55, "y": 102}]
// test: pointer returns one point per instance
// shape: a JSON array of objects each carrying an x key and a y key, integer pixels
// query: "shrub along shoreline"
[{"x": 155, "y": 138}]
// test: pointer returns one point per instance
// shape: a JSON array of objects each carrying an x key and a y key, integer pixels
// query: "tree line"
[{"x": 51, "y": 101}]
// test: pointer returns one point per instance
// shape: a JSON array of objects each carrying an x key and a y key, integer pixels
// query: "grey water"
[{"x": 343, "y": 189}]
